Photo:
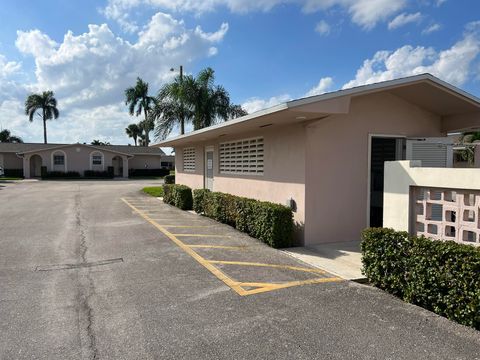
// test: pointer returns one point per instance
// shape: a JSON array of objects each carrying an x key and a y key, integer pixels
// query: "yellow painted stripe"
[
  {"x": 203, "y": 235},
  {"x": 270, "y": 287},
  {"x": 287, "y": 267},
  {"x": 219, "y": 247},
  {"x": 218, "y": 273}
]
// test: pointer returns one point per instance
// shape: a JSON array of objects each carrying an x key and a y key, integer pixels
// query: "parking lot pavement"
[
  {"x": 247, "y": 266},
  {"x": 85, "y": 276}
]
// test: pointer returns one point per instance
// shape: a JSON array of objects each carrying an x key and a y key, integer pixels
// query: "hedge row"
[
  {"x": 99, "y": 174},
  {"x": 178, "y": 195},
  {"x": 268, "y": 222},
  {"x": 169, "y": 179},
  {"x": 443, "y": 277},
  {"x": 60, "y": 175},
  {"x": 13, "y": 173},
  {"x": 148, "y": 172}
]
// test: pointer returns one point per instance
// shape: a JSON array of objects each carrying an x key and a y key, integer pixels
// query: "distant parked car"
[{"x": 2, "y": 172}]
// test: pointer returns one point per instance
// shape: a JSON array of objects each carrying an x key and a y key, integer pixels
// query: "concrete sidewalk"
[{"x": 340, "y": 259}]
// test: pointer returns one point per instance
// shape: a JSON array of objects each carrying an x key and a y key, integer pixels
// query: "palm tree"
[
  {"x": 139, "y": 101},
  {"x": 47, "y": 104},
  {"x": 197, "y": 100},
  {"x": 467, "y": 139},
  {"x": 7, "y": 137},
  {"x": 133, "y": 131}
]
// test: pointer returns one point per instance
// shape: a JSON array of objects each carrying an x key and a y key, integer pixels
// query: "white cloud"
[
  {"x": 432, "y": 28},
  {"x": 452, "y": 65},
  {"x": 365, "y": 13},
  {"x": 8, "y": 68},
  {"x": 90, "y": 71},
  {"x": 255, "y": 104},
  {"x": 323, "y": 86},
  {"x": 404, "y": 19},
  {"x": 323, "y": 28}
]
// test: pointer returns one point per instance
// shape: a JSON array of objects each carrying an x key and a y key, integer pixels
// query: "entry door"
[
  {"x": 382, "y": 149},
  {"x": 209, "y": 169}
]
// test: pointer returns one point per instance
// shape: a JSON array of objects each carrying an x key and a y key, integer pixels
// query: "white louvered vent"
[
  {"x": 242, "y": 157},
  {"x": 189, "y": 159},
  {"x": 431, "y": 155}
]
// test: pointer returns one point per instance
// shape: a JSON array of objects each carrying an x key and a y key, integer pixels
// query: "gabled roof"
[
  {"x": 22, "y": 148},
  {"x": 424, "y": 90}
]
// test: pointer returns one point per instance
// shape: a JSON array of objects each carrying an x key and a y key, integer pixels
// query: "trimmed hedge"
[
  {"x": 268, "y": 222},
  {"x": 13, "y": 173},
  {"x": 169, "y": 179},
  {"x": 178, "y": 195},
  {"x": 60, "y": 175},
  {"x": 441, "y": 276},
  {"x": 98, "y": 174},
  {"x": 148, "y": 172}
]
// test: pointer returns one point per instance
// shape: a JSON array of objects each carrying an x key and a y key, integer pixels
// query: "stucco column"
[
  {"x": 125, "y": 167},
  {"x": 26, "y": 167},
  {"x": 476, "y": 156}
]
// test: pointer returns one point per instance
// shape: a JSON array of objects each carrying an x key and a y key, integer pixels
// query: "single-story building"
[
  {"x": 29, "y": 158},
  {"x": 324, "y": 155}
]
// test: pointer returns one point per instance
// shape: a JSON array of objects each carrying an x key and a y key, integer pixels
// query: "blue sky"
[{"x": 263, "y": 52}]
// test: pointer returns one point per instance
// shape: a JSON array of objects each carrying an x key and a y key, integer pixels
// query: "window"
[
  {"x": 189, "y": 159},
  {"x": 242, "y": 157},
  {"x": 97, "y": 160},
  {"x": 59, "y": 159}
]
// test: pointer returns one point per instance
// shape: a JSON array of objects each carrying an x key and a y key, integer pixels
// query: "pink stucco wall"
[
  {"x": 337, "y": 162},
  {"x": 322, "y": 165}
]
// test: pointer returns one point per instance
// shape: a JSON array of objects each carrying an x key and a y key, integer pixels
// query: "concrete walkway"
[{"x": 341, "y": 259}]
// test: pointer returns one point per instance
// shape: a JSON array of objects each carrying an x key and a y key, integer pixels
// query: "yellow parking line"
[
  {"x": 187, "y": 226},
  {"x": 219, "y": 247},
  {"x": 287, "y": 267},
  {"x": 237, "y": 286},
  {"x": 203, "y": 235},
  {"x": 218, "y": 273}
]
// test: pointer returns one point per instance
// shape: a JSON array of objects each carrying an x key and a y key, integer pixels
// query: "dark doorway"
[{"x": 382, "y": 149}]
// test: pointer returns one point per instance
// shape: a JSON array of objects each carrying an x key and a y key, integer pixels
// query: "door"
[
  {"x": 382, "y": 149},
  {"x": 209, "y": 169}
]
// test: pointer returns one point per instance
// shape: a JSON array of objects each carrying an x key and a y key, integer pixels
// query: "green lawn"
[
  {"x": 10, "y": 178},
  {"x": 156, "y": 191}
]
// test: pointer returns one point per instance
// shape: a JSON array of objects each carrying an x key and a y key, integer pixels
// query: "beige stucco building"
[
  {"x": 324, "y": 155},
  {"x": 29, "y": 158}
]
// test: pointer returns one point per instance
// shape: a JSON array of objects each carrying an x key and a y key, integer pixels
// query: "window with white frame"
[
  {"x": 189, "y": 159},
  {"x": 97, "y": 159},
  {"x": 242, "y": 157},
  {"x": 59, "y": 159}
]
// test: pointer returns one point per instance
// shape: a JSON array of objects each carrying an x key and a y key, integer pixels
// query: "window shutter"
[{"x": 432, "y": 152}]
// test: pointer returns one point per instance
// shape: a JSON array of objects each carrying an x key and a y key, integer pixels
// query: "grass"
[
  {"x": 10, "y": 178},
  {"x": 156, "y": 191}
]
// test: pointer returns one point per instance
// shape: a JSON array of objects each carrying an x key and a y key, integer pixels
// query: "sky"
[{"x": 263, "y": 52}]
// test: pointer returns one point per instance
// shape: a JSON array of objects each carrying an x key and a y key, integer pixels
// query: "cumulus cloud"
[
  {"x": 8, "y": 68},
  {"x": 324, "y": 85},
  {"x": 90, "y": 71},
  {"x": 430, "y": 29},
  {"x": 255, "y": 104},
  {"x": 452, "y": 65},
  {"x": 404, "y": 19},
  {"x": 365, "y": 13},
  {"x": 323, "y": 28}
]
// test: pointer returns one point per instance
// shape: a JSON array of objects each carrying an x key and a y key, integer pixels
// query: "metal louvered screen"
[
  {"x": 242, "y": 157},
  {"x": 433, "y": 152},
  {"x": 189, "y": 159}
]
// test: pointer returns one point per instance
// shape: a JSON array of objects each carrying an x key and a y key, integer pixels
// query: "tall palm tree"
[
  {"x": 139, "y": 101},
  {"x": 7, "y": 137},
  {"x": 45, "y": 106},
  {"x": 197, "y": 100},
  {"x": 133, "y": 131}
]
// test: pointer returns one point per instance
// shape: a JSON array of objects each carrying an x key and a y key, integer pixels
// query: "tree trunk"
[
  {"x": 146, "y": 128},
  {"x": 44, "y": 127},
  {"x": 135, "y": 140}
]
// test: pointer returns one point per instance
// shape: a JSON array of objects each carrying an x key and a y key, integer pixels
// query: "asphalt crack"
[{"x": 86, "y": 292}]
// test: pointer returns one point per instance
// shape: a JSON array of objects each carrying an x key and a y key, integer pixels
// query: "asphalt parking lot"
[{"x": 97, "y": 270}]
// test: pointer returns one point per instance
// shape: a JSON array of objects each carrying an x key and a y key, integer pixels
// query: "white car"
[{"x": 2, "y": 172}]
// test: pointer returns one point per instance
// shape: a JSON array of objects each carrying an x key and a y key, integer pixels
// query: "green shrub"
[
  {"x": 198, "y": 200},
  {"x": 60, "y": 175},
  {"x": 443, "y": 277},
  {"x": 169, "y": 179},
  {"x": 156, "y": 191},
  {"x": 268, "y": 222},
  {"x": 13, "y": 173},
  {"x": 97, "y": 174},
  {"x": 178, "y": 195}
]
